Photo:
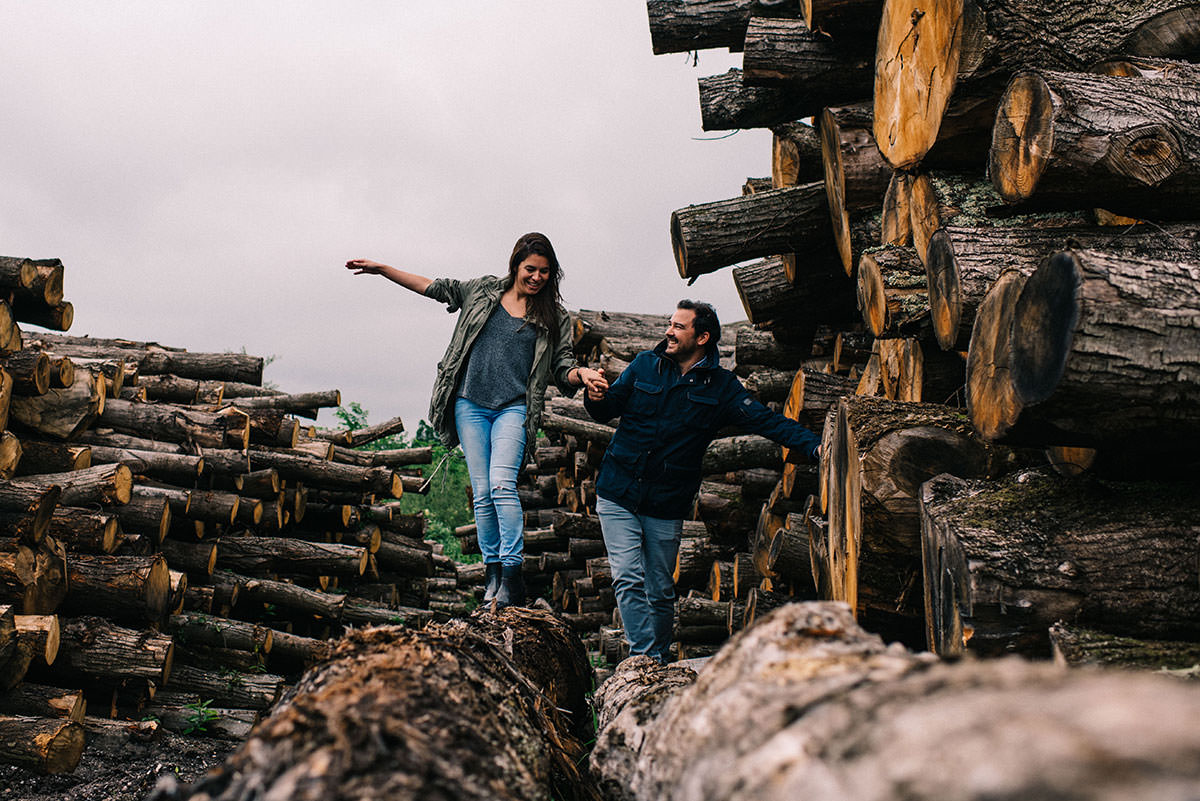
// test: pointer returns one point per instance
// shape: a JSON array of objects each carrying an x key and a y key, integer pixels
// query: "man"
[{"x": 672, "y": 401}]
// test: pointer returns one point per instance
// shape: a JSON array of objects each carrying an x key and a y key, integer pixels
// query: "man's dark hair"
[{"x": 706, "y": 321}]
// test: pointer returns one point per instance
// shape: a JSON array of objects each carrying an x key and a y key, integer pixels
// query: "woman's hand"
[
  {"x": 595, "y": 383},
  {"x": 365, "y": 267}
]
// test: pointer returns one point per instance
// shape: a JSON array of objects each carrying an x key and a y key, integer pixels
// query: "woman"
[{"x": 512, "y": 337}]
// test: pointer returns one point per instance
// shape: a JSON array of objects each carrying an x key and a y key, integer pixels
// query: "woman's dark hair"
[
  {"x": 706, "y": 321},
  {"x": 542, "y": 307}
]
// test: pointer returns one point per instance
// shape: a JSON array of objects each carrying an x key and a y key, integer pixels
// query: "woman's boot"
[
  {"x": 491, "y": 581},
  {"x": 512, "y": 587}
]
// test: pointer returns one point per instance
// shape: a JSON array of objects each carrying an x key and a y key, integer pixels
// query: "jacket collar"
[{"x": 710, "y": 361}]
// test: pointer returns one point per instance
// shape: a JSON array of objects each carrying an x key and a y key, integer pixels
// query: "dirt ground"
[{"x": 118, "y": 771}]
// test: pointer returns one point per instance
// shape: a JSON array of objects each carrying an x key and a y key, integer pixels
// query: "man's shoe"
[
  {"x": 491, "y": 580},
  {"x": 512, "y": 587}
]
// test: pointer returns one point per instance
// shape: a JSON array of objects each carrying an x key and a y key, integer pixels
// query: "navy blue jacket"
[{"x": 652, "y": 466}]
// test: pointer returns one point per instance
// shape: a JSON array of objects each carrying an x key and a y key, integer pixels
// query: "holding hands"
[{"x": 594, "y": 382}]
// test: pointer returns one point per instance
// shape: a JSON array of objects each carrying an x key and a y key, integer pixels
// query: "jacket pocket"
[
  {"x": 700, "y": 411},
  {"x": 645, "y": 397}
]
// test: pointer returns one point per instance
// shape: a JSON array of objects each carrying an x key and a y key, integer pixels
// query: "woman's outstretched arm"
[{"x": 417, "y": 283}]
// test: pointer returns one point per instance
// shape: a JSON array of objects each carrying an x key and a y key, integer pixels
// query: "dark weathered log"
[
  {"x": 167, "y": 466},
  {"x": 740, "y": 452},
  {"x": 33, "y": 578},
  {"x": 61, "y": 413},
  {"x": 710, "y": 236},
  {"x": 177, "y": 423},
  {"x": 584, "y": 429},
  {"x": 304, "y": 404},
  {"x": 589, "y": 327},
  {"x": 395, "y": 676},
  {"x": 879, "y": 453},
  {"x": 30, "y": 371},
  {"x": 762, "y": 349},
  {"x": 57, "y": 318},
  {"x": 892, "y": 291},
  {"x": 769, "y": 384},
  {"x": 679, "y": 26},
  {"x": 1104, "y": 354},
  {"x": 41, "y": 701},
  {"x": 770, "y": 298},
  {"x": 270, "y": 554},
  {"x": 856, "y": 176},
  {"x": 95, "y": 651},
  {"x": 228, "y": 688},
  {"x": 1075, "y": 646},
  {"x": 829, "y": 711},
  {"x": 86, "y": 531},
  {"x": 726, "y": 103},
  {"x": 154, "y": 359},
  {"x": 176, "y": 712},
  {"x": 963, "y": 263},
  {"x": 361, "y": 436},
  {"x": 309, "y": 469},
  {"x": 104, "y": 484},
  {"x": 795, "y": 155},
  {"x": 136, "y": 587},
  {"x": 1005, "y": 560},
  {"x": 40, "y": 456},
  {"x": 222, "y": 632},
  {"x": 173, "y": 389},
  {"x": 197, "y": 558},
  {"x": 395, "y": 457},
  {"x": 292, "y": 596},
  {"x": 1129, "y": 145},
  {"x": 42, "y": 745},
  {"x": 787, "y": 53},
  {"x": 114, "y": 439}
]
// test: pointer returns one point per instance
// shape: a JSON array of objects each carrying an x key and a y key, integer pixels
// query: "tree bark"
[
  {"x": 879, "y": 454},
  {"x": 1128, "y": 145},
  {"x": 679, "y": 26},
  {"x": 1106, "y": 354},
  {"x": 136, "y": 587},
  {"x": 153, "y": 359},
  {"x": 181, "y": 424},
  {"x": 450, "y": 695},
  {"x": 33, "y": 578},
  {"x": 787, "y": 53},
  {"x": 856, "y": 176},
  {"x": 893, "y": 292},
  {"x": 42, "y": 745},
  {"x": 827, "y": 711},
  {"x": 1076, "y": 646},
  {"x": 1004, "y": 560},
  {"x": 935, "y": 61},
  {"x": 255, "y": 555},
  {"x": 710, "y": 236},
  {"x": 61, "y": 413},
  {"x": 770, "y": 299},
  {"x": 795, "y": 155}
]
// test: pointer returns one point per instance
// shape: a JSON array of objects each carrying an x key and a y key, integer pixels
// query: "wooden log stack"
[
  {"x": 1017, "y": 223},
  {"x": 171, "y": 530}
]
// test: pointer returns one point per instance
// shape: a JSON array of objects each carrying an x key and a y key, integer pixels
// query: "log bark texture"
[{"x": 807, "y": 705}]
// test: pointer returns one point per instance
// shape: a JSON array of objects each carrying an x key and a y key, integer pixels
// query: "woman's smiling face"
[{"x": 532, "y": 274}]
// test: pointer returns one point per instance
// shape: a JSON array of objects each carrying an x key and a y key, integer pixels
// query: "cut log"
[
  {"x": 918, "y": 370},
  {"x": 393, "y": 457},
  {"x": 33, "y": 578},
  {"x": 104, "y": 484},
  {"x": 848, "y": 20},
  {"x": 166, "y": 466},
  {"x": 177, "y": 712},
  {"x": 221, "y": 632},
  {"x": 255, "y": 555},
  {"x": 679, "y": 26},
  {"x": 1072, "y": 140},
  {"x": 30, "y": 371},
  {"x": 61, "y": 413},
  {"x": 304, "y": 404},
  {"x": 795, "y": 155},
  {"x": 230, "y": 688},
  {"x": 879, "y": 454},
  {"x": 43, "y": 634},
  {"x": 991, "y": 400},
  {"x": 771, "y": 298},
  {"x": 710, "y": 236},
  {"x": 814, "y": 685},
  {"x": 154, "y": 359},
  {"x": 893, "y": 294},
  {"x": 963, "y": 263},
  {"x": 175, "y": 423},
  {"x": 388, "y": 678},
  {"x": 740, "y": 452},
  {"x": 950, "y": 60},
  {"x": 40, "y": 456},
  {"x": 786, "y": 53},
  {"x": 1076, "y": 646},
  {"x": 95, "y": 651},
  {"x": 362, "y": 436},
  {"x": 1106, "y": 354},
  {"x": 42, "y": 745},
  {"x": 57, "y": 318},
  {"x": 134, "y": 587},
  {"x": 292, "y": 596},
  {"x": 40, "y": 701},
  {"x": 1005, "y": 560},
  {"x": 856, "y": 176},
  {"x": 112, "y": 439},
  {"x": 85, "y": 531}
]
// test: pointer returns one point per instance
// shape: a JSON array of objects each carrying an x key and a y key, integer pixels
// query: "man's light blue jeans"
[
  {"x": 493, "y": 440},
  {"x": 641, "y": 554}
]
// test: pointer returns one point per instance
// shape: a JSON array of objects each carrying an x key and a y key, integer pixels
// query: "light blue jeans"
[
  {"x": 493, "y": 440},
  {"x": 641, "y": 554}
]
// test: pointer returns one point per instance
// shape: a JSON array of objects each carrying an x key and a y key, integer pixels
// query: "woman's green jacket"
[{"x": 478, "y": 298}]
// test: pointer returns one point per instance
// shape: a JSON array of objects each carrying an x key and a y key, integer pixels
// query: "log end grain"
[
  {"x": 1022, "y": 138},
  {"x": 991, "y": 400},
  {"x": 1043, "y": 327},
  {"x": 945, "y": 291}
]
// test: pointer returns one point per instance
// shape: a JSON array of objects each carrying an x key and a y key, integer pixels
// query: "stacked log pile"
[
  {"x": 175, "y": 542},
  {"x": 992, "y": 242}
]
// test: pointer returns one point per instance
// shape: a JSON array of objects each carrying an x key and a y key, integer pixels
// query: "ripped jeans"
[{"x": 493, "y": 441}]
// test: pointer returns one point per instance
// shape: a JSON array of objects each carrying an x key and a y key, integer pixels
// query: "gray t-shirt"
[{"x": 500, "y": 361}]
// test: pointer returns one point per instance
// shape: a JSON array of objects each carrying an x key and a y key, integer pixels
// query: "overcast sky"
[{"x": 204, "y": 170}]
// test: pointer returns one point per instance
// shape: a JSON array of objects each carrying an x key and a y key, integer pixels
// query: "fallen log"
[
  {"x": 485, "y": 693},
  {"x": 788, "y": 53},
  {"x": 61, "y": 413},
  {"x": 829, "y": 711},
  {"x": 1076, "y": 646},
  {"x": 679, "y": 26},
  {"x": 856, "y": 176},
  {"x": 1003, "y": 561},
  {"x": 137, "y": 587},
  {"x": 42, "y": 745}
]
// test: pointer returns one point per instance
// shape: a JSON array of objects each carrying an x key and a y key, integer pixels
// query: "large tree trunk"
[
  {"x": 963, "y": 262},
  {"x": 856, "y": 176},
  {"x": 933, "y": 60},
  {"x": 807, "y": 705},
  {"x": 485, "y": 694},
  {"x": 879, "y": 454},
  {"x": 679, "y": 26},
  {"x": 1004, "y": 560},
  {"x": 1106, "y": 354},
  {"x": 1129, "y": 145},
  {"x": 787, "y": 53},
  {"x": 710, "y": 236}
]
